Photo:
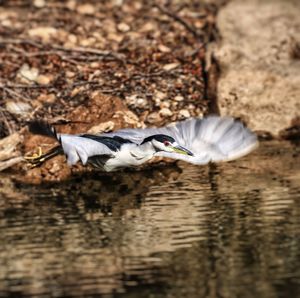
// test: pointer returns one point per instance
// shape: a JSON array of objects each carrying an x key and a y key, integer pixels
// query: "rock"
[
  {"x": 31, "y": 74},
  {"x": 118, "y": 2},
  {"x": 71, "y": 4},
  {"x": 55, "y": 167},
  {"x": 162, "y": 48},
  {"x": 170, "y": 66},
  {"x": 150, "y": 26},
  {"x": 123, "y": 27},
  {"x": 6, "y": 23},
  {"x": 165, "y": 104},
  {"x": 88, "y": 9},
  {"x": 136, "y": 102},
  {"x": 72, "y": 39},
  {"x": 103, "y": 127},
  {"x": 95, "y": 65},
  {"x": 47, "y": 98},
  {"x": 70, "y": 74},
  {"x": 43, "y": 79},
  {"x": 45, "y": 33},
  {"x": 154, "y": 118},
  {"x": 260, "y": 79},
  {"x": 18, "y": 108},
  {"x": 27, "y": 74},
  {"x": 87, "y": 42},
  {"x": 179, "y": 98},
  {"x": 165, "y": 112},
  {"x": 129, "y": 118},
  {"x": 183, "y": 114},
  {"x": 115, "y": 37},
  {"x": 39, "y": 3},
  {"x": 158, "y": 96}
]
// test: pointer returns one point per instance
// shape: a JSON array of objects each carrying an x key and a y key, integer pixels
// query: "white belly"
[{"x": 126, "y": 159}]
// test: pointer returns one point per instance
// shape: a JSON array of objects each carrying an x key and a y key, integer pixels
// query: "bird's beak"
[{"x": 182, "y": 150}]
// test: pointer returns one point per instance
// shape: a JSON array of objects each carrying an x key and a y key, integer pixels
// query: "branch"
[
  {"x": 177, "y": 18},
  {"x": 82, "y": 50},
  {"x": 14, "y": 93},
  {"x": 10, "y": 162}
]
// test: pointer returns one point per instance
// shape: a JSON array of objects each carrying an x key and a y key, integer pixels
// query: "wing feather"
[{"x": 211, "y": 139}]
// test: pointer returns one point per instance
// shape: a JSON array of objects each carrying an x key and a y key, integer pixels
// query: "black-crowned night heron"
[{"x": 197, "y": 141}]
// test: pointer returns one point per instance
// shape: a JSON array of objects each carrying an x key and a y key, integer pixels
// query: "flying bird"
[{"x": 197, "y": 141}]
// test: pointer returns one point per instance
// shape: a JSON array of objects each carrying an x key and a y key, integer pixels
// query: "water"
[{"x": 231, "y": 230}]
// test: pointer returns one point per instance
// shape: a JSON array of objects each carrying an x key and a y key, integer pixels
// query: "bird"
[{"x": 199, "y": 141}]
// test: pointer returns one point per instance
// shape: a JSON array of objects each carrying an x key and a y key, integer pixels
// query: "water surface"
[{"x": 229, "y": 230}]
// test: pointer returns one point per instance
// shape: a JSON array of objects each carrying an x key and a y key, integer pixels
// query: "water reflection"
[{"x": 231, "y": 230}]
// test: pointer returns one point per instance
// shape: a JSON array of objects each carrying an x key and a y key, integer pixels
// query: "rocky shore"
[{"x": 101, "y": 67}]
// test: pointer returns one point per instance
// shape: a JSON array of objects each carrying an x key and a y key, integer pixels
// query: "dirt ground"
[{"x": 100, "y": 66}]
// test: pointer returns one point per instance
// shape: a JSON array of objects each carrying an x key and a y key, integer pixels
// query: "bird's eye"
[{"x": 166, "y": 143}]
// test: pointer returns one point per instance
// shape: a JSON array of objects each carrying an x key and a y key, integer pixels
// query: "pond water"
[{"x": 228, "y": 230}]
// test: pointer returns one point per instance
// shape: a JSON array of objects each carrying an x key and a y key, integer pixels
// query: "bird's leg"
[
  {"x": 35, "y": 155},
  {"x": 38, "y": 158},
  {"x": 35, "y": 159}
]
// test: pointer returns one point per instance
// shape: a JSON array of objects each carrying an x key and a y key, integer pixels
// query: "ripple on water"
[{"x": 230, "y": 230}]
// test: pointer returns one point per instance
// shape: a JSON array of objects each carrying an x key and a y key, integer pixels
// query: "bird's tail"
[{"x": 45, "y": 129}]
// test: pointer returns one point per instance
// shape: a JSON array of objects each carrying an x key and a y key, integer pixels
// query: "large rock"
[{"x": 259, "y": 62}]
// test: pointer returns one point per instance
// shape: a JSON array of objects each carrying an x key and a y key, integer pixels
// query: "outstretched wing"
[{"x": 211, "y": 139}]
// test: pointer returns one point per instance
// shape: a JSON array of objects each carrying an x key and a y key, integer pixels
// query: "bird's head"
[{"x": 166, "y": 143}]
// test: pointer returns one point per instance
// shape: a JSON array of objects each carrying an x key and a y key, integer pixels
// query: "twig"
[
  {"x": 7, "y": 86},
  {"x": 177, "y": 18},
  {"x": 9, "y": 163},
  {"x": 12, "y": 92},
  {"x": 63, "y": 49},
  {"x": 23, "y": 86},
  {"x": 95, "y": 85},
  {"x": 42, "y": 53},
  {"x": 6, "y": 122},
  {"x": 83, "y": 50}
]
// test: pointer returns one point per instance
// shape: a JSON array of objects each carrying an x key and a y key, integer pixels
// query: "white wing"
[
  {"x": 137, "y": 136},
  {"x": 78, "y": 148},
  {"x": 211, "y": 139}
]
